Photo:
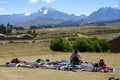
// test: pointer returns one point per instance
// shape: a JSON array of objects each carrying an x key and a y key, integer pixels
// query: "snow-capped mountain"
[
  {"x": 14, "y": 18},
  {"x": 50, "y": 16},
  {"x": 48, "y": 12},
  {"x": 43, "y": 13},
  {"x": 106, "y": 13}
]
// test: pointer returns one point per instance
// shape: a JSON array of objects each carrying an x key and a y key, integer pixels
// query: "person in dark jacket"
[{"x": 75, "y": 58}]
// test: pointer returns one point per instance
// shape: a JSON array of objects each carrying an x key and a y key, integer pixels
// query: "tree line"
[{"x": 6, "y": 29}]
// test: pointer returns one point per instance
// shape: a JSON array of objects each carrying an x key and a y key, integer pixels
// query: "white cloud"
[
  {"x": 49, "y": 1},
  {"x": 117, "y": 6},
  {"x": 3, "y": 11},
  {"x": 33, "y": 1}
]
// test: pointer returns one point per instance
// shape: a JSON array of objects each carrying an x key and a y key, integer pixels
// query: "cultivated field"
[
  {"x": 91, "y": 31},
  {"x": 29, "y": 51}
]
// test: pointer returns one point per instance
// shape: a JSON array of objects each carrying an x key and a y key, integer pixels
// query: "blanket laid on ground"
[
  {"x": 113, "y": 78},
  {"x": 57, "y": 65}
]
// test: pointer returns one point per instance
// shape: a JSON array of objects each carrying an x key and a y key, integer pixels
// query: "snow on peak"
[
  {"x": 45, "y": 10},
  {"x": 117, "y": 6},
  {"x": 27, "y": 14}
]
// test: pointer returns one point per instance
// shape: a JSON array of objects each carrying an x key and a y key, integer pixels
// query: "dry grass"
[
  {"x": 32, "y": 51},
  {"x": 40, "y": 49},
  {"x": 71, "y": 31},
  {"x": 91, "y": 31},
  {"x": 8, "y": 73}
]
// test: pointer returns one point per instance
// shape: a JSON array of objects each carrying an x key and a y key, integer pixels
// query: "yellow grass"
[
  {"x": 9, "y": 73},
  {"x": 53, "y": 32},
  {"x": 40, "y": 49},
  {"x": 32, "y": 51}
]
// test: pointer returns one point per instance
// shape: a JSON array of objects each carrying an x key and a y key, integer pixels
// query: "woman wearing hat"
[{"x": 101, "y": 64}]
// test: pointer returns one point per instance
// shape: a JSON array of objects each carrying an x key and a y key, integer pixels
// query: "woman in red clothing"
[{"x": 101, "y": 64}]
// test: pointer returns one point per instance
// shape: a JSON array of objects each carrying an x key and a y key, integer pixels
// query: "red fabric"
[{"x": 106, "y": 70}]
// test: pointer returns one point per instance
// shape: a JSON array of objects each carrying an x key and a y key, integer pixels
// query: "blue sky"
[{"x": 68, "y": 6}]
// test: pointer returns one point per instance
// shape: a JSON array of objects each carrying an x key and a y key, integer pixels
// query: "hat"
[
  {"x": 101, "y": 60},
  {"x": 75, "y": 51}
]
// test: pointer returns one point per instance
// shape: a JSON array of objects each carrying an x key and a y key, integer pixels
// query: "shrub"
[
  {"x": 97, "y": 46},
  {"x": 29, "y": 32},
  {"x": 60, "y": 44},
  {"x": 71, "y": 39},
  {"x": 83, "y": 45},
  {"x": 32, "y": 33},
  {"x": 1, "y": 43},
  {"x": 104, "y": 45},
  {"x": 11, "y": 41},
  {"x": 33, "y": 41}
]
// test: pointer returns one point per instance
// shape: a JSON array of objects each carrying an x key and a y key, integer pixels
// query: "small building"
[
  {"x": 2, "y": 36},
  {"x": 114, "y": 44},
  {"x": 25, "y": 36}
]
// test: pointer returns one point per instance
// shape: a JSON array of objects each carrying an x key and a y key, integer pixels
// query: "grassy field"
[
  {"x": 9, "y": 73},
  {"x": 29, "y": 51},
  {"x": 91, "y": 31},
  {"x": 32, "y": 51}
]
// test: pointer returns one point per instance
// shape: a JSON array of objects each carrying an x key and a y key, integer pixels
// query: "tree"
[
  {"x": 2, "y": 29},
  {"x": 34, "y": 31},
  {"x": 29, "y": 32},
  {"x": 9, "y": 29}
]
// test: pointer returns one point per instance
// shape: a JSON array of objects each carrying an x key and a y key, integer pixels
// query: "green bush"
[
  {"x": 97, "y": 46},
  {"x": 83, "y": 45},
  {"x": 33, "y": 41},
  {"x": 91, "y": 45},
  {"x": 11, "y": 41},
  {"x": 104, "y": 45},
  {"x": 60, "y": 44},
  {"x": 71, "y": 39}
]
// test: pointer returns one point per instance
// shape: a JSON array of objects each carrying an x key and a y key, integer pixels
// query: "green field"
[{"x": 29, "y": 51}]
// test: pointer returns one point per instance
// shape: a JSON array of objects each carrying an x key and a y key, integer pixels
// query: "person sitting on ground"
[
  {"x": 40, "y": 61},
  {"x": 113, "y": 78},
  {"x": 101, "y": 64},
  {"x": 75, "y": 58},
  {"x": 15, "y": 60}
]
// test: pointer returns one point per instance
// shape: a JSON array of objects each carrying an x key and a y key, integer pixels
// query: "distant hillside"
[{"x": 106, "y": 13}]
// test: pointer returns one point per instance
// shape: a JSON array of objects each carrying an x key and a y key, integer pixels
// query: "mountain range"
[{"x": 48, "y": 16}]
